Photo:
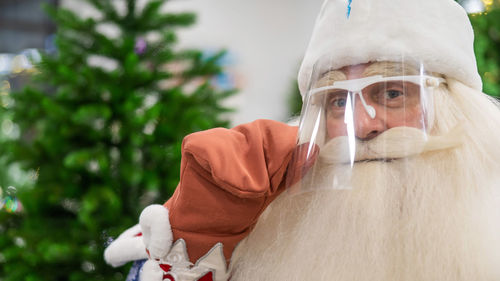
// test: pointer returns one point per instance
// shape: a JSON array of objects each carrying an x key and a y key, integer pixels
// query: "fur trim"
[
  {"x": 127, "y": 247},
  {"x": 151, "y": 271},
  {"x": 155, "y": 225},
  {"x": 436, "y": 33}
]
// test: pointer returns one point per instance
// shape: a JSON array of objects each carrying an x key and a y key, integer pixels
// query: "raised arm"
[{"x": 228, "y": 177}]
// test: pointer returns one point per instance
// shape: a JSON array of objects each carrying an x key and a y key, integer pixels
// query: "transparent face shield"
[{"x": 375, "y": 112}]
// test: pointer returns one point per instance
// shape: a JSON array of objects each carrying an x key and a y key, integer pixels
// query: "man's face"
[{"x": 394, "y": 104}]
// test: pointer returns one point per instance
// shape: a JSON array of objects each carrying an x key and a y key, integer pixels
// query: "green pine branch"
[{"x": 104, "y": 142}]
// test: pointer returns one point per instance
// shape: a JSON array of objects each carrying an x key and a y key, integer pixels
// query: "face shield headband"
[{"x": 346, "y": 91}]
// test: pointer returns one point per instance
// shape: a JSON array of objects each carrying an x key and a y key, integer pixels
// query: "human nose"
[{"x": 366, "y": 126}]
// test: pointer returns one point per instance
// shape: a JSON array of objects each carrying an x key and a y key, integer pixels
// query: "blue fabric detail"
[
  {"x": 349, "y": 8},
  {"x": 135, "y": 270}
]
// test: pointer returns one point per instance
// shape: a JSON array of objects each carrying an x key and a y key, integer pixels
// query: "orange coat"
[{"x": 228, "y": 177}]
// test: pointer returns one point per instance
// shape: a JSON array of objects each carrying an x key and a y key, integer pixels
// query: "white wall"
[
  {"x": 266, "y": 40},
  {"x": 266, "y": 37}
]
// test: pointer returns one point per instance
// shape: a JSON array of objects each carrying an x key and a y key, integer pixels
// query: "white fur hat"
[{"x": 436, "y": 33}]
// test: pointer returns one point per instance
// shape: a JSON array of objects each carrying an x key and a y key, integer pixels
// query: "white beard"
[
  {"x": 385, "y": 228},
  {"x": 431, "y": 217}
]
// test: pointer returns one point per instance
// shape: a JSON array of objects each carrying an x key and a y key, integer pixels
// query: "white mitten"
[
  {"x": 157, "y": 238},
  {"x": 151, "y": 271},
  {"x": 127, "y": 247},
  {"x": 156, "y": 231},
  {"x": 171, "y": 262}
]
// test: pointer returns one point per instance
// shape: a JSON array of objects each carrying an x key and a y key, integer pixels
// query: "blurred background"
[
  {"x": 264, "y": 43},
  {"x": 96, "y": 96}
]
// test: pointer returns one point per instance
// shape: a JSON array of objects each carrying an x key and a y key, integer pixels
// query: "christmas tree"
[
  {"x": 487, "y": 46},
  {"x": 100, "y": 133}
]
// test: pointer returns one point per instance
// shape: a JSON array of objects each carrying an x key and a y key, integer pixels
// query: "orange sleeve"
[{"x": 228, "y": 177}]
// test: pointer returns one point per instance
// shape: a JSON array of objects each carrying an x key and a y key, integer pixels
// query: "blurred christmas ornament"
[
  {"x": 140, "y": 46},
  {"x": 473, "y": 6},
  {"x": 11, "y": 204},
  {"x": 478, "y": 6},
  {"x": 17, "y": 63}
]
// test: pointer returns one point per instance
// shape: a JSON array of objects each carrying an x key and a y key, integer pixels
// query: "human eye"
[
  {"x": 392, "y": 98},
  {"x": 337, "y": 102},
  {"x": 392, "y": 94}
]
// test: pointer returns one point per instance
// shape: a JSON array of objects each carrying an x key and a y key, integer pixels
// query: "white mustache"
[{"x": 398, "y": 142}]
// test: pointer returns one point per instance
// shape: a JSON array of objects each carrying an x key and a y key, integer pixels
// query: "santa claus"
[{"x": 391, "y": 175}]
